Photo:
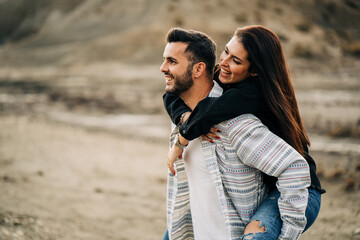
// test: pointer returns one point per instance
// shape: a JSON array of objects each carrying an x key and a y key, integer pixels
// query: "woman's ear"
[
  {"x": 252, "y": 71},
  {"x": 199, "y": 69}
]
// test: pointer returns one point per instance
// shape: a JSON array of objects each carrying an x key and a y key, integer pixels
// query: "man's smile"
[{"x": 169, "y": 78}]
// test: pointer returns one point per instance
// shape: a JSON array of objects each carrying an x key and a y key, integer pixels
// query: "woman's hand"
[
  {"x": 175, "y": 153},
  {"x": 211, "y": 135}
]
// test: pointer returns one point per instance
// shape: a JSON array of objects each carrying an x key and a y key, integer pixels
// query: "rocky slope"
[{"x": 38, "y": 32}]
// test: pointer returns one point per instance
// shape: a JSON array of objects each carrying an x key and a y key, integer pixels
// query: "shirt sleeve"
[
  {"x": 175, "y": 107},
  {"x": 259, "y": 148},
  {"x": 245, "y": 98}
]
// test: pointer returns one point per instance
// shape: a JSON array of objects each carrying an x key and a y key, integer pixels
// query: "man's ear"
[{"x": 199, "y": 69}]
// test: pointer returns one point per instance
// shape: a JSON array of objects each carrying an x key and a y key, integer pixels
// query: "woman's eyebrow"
[{"x": 227, "y": 49}]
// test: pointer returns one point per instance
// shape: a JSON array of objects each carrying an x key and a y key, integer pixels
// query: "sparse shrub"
[
  {"x": 331, "y": 37},
  {"x": 325, "y": 16},
  {"x": 330, "y": 7},
  {"x": 343, "y": 34},
  {"x": 240, "y": 18},
  {"x": 106, "y": 104},
  {"x": 320, "y": 171},
  {"x": 302, "y": 51},
  {"x": 278, "y": 10},
  {"x": 221, "y": 3},
  {"x": 338, "y": 131},
  {"x": 357, "y": 167},
  {"x": 179, "y": 21},
  {"x": 304, "y": 26},
  {"x": 262, "y": 4},
  {"x": 353, "y": 4},
  {"x": 258, "y": 16},
  {"x": 23, "y": 33},
  {"x": 350, "y": 184},
  {"x": 335, "y": 174},
  {"x": 283, "y": 37},
  {"x": 209, "y": 8},
  {"x": 171, "y": 7},
  {"x": 352, "y": 48}
]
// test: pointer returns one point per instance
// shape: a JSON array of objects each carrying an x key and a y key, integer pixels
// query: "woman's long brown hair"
[{"x": 267, "y": 60}]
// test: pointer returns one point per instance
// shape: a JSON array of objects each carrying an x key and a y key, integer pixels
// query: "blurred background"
[{"x": 83, "y": 132}]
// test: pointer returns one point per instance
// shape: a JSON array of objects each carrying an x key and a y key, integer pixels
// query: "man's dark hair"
[{"x": 201, "y": 48}]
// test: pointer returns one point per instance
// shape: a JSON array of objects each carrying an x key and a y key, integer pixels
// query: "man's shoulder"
[{"x": 243, "y": 121}]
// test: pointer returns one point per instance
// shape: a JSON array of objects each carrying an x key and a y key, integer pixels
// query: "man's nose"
[{"x": 164, "y": 68}]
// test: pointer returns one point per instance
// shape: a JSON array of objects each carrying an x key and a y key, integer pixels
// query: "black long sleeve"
[
  {"x": 246, "y": 97},
  {"x": 175, "y": 107}
]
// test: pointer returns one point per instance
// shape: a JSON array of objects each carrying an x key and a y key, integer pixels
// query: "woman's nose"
[{"x": 223, "y": 60}]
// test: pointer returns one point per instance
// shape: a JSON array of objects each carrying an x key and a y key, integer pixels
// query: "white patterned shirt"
[{"x": 246, "y": 148}]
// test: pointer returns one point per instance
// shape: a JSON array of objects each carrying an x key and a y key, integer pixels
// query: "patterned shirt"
[{"x": 236, "y": 161}]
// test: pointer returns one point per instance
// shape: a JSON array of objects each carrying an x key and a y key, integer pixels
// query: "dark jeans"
[{"x": 269, "y": 215}]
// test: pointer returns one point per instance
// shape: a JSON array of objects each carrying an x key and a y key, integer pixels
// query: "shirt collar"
[{"x": 216, "y": 91}]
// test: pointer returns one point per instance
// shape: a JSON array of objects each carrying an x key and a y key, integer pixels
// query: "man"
[{"x": 218, "y": 186}]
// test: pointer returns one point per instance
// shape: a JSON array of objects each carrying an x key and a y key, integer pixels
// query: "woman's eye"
[
  {"x": 236, "y": 61},
  {"x": 225, "y": 51}
]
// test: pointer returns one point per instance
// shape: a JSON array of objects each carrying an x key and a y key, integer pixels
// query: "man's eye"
[{"x": 226, "y": 51}]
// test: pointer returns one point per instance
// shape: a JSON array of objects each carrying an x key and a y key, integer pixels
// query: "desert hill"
[
  {"x": 40, "y": 32},
  {"x": 104, "y": 55}
]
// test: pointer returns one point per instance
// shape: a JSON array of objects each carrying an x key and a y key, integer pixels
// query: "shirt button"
[{"x": 184, "y": 131}]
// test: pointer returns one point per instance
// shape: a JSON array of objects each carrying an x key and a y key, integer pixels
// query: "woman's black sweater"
[{"x": 241, "y": 98}]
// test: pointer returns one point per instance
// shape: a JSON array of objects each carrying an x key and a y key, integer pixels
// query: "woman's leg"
[
  {"x": 166, "y": 235},
  {"x": 266, "y": 222},
  {"x": 313, "y": 207}
]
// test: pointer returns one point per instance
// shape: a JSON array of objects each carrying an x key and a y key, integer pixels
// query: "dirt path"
[
  {"x": 64, "y": 182},
  {"x": 77, "y": 184}
]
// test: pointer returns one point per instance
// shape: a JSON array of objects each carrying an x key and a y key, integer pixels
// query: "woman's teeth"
[{"x": 225, "y": 73}]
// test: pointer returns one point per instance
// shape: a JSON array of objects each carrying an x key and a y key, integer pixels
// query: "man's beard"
[{"x": 182, "y": 83}]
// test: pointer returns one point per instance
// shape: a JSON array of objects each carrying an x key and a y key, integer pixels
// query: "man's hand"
[
  {"x": 174, "y": 153},
  {"x": 185, "y": 117}
]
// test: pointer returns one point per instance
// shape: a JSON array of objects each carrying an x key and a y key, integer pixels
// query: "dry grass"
[
  {"x": 302, "y": 51},
  {"x": 304, "y": 26},
  {"x": 341, "y": 131},
  {"x": 352, "y": 48}
]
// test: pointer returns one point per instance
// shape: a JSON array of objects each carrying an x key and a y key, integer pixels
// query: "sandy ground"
[{"x": 60, "y": 181}]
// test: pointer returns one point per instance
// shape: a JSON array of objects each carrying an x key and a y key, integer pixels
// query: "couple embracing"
[{"x": 238, "y": 163}]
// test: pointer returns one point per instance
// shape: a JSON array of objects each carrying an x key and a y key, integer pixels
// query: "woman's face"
[{"x": 233, "y": 62}]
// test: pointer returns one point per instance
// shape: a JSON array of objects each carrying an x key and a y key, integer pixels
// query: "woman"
[{"x": 255, "y": 78}]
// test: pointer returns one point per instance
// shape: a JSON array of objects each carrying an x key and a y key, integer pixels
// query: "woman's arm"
[
  {"x": 259, "y": 148},
  {"x": 245, "y": 98},
  {"x": 175, "y": 107}
]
